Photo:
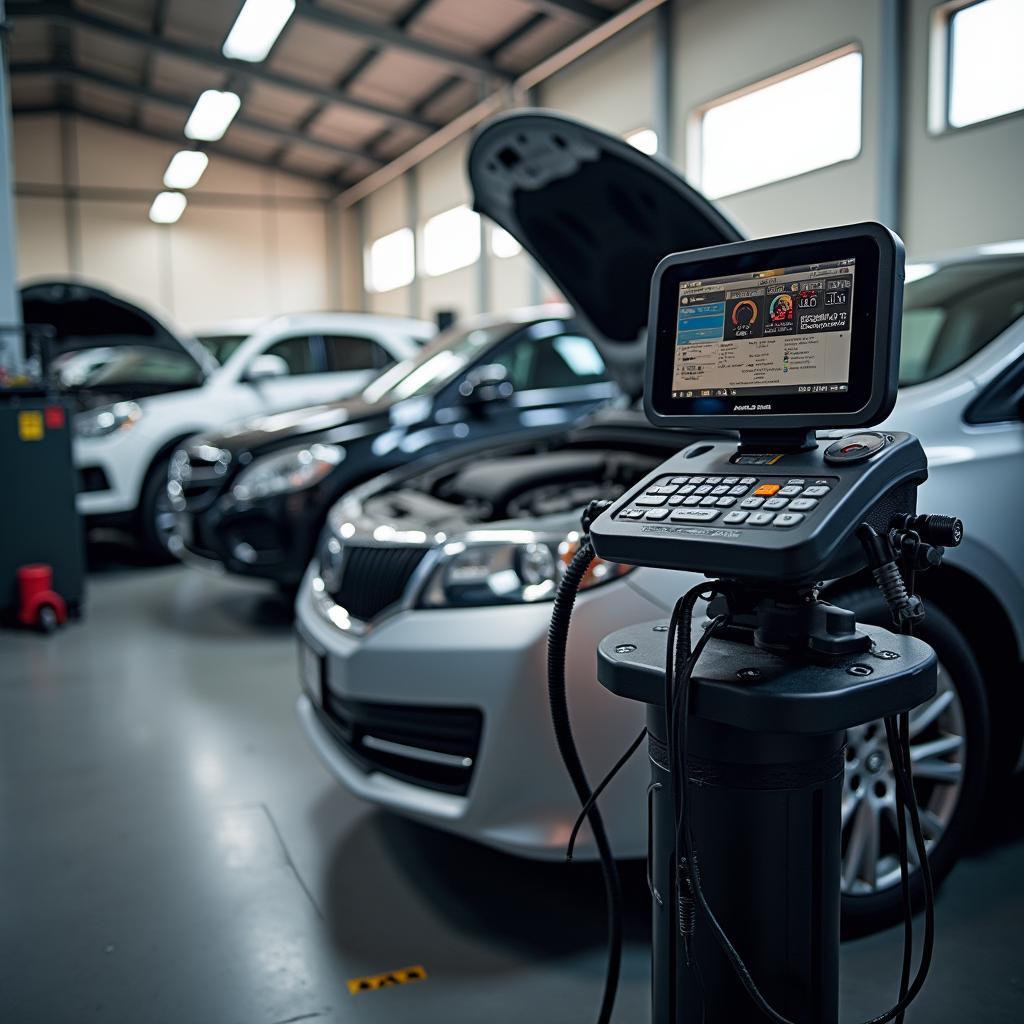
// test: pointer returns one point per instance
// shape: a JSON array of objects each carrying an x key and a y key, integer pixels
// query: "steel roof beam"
[
  {"x": 155, "y": 133},
  {"x": 387, "y": 34},
  {"x": 65, "y": 14},
  {"x": 177, "y": 102}
]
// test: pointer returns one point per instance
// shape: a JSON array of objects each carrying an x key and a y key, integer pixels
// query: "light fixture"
[
  {"x": 256, "y": 28},
  {"x": 167, "y": 207},
  {"x": 211, "y": 115},
  {"x": 185, "y": 169}
]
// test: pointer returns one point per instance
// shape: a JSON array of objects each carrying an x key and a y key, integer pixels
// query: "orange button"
[{"x": 766, "y": 490}]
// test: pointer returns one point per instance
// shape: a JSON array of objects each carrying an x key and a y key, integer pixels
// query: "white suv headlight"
[
  {"x": 512, "y": 571},
  {"x": 291, "y": 470},
  {"x": 107, "y": 419}
]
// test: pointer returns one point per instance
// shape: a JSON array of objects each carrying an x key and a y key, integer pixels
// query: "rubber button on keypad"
[
  {"x": 751, "y": 502},
  {"x": 760, "y": 518},
  {"x": 802, "y": 504},
  {"x": 788, "y": 519},
  {"x": 816, "y": 492},
  {"x": 774, "y": 504},
  {"x": 735, "y": 517},
  {"x": 767, "y": 490}
]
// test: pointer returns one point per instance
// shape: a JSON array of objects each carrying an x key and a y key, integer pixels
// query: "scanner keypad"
[{"x": 734, "y": 501}]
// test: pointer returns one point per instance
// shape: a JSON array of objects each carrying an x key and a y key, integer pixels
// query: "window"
[
  {"x": 644, "y": 139},
  {"x": 436, "y": 364},
  {"x": 503, "y": 245},
  {"x": 954, "y": 311},
  {"x": 132, "y": 365},
  {"x": 350, "y": 353},
  {"x": 390, "y": 261},
  {"x": 562, "y": 361},
  {"x": 985, "y": 67},
  {"x": 807, "y": 118},
  {"x": 297, "y": 353},
  {"x": 451, "y": 240},
  {"x": 222, "y": 346}
]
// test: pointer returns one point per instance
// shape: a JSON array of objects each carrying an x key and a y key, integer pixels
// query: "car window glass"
[
  {"x": 564, "y": 360},
  {"x": 297, "y": 352},
  {"x": 145, "y": 366},
  {"x": 222, "y": 346},
  {"x": 438, "y": 362},
  {"x": 354, "y": 353},
  {"x": 953, "y": 312}
]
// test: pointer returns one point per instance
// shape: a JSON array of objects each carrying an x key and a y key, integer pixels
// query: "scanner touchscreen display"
[{"x": 765, "y": 332}]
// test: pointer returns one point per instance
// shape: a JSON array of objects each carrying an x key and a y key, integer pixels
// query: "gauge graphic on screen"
[
  {"x": 780, "y": 309},
  {"x": 744, "y": 313}
]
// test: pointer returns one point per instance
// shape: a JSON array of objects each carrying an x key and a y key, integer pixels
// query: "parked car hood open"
[
  {"x": 596, "y": 214},
  {"x": 103, "y": 337}
]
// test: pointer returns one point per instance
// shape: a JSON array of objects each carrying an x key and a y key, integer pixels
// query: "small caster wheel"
[{"x": 47, "y": 620}]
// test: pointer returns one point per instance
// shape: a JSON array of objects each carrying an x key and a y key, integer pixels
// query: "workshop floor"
[{"x": 171, "y": 851}]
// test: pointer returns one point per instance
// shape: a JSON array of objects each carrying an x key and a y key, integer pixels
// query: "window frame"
[
  {"x": 940, "y": 72},
  {"x": 694, "y": 139}
]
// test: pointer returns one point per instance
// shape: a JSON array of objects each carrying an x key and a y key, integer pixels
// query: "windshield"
[
  {"x": 437, "y": 363},
  {"x": 222, "y": 346},
  {"x": 146, "y": 366},
  {"x": 952, "y": 312}
]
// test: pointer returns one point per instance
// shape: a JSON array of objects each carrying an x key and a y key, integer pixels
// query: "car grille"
[
  {"x": 426, "y": 746},
  {"x": 366, "y": 580}
]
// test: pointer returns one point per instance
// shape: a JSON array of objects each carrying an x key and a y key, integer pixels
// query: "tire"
[
  {"x": 150, "y": 526},
  {"x": 951, "y": 811}
]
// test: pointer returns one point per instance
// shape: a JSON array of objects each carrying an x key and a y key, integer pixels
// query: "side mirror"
[
  {"x": 486, "y": 384},
  {"x": 265, "y": 367}
]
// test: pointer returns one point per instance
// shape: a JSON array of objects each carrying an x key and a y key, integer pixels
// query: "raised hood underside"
[{"x": 596, "y": 214}]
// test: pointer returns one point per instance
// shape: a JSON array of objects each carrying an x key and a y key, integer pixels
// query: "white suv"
[{"x": 121, "y": 449}]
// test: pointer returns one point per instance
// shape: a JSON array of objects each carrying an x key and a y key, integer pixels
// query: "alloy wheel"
[{"x": 938, "y": 749}]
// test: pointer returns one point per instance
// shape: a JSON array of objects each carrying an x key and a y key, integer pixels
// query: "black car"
[{"x": 254, "y": 498}]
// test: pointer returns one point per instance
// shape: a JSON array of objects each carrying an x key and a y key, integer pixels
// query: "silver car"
[{"x": 434, "y": 704}]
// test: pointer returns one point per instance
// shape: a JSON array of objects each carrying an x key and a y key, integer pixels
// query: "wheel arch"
[
  {"x": 987, "y": 627},
  {"x": 167, "y": 447}
]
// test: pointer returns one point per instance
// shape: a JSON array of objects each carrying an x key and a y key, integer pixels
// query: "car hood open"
[
  {"x": 596, "y": 214},
  {"x": 84, "y": 317}
]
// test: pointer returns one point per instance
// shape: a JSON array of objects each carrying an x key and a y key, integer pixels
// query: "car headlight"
[
  {"x": 105, "y": 420},
  {"x": 509, "y": 571},
  {"x": 292, "y": 470}
]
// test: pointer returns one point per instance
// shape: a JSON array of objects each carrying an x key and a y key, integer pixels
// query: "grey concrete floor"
[{"x": 171, "y": 851}]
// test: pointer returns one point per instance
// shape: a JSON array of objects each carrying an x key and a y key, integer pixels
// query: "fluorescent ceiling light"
[
  {"x": 211, "y": 115},
  {"x": 185, "y": 168},
  {"x": 644, "y": 139},
  {"x": 167, "y": 207},
  {"x": 256, "y": 28}
]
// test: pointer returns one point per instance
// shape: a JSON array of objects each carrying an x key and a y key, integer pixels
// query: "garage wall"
[
  {"x": 720, "y": 46},
  {"x": 612, "y": 86},
  {"x": 252, "y": 242},
  {"x": 983, "y": 165}
]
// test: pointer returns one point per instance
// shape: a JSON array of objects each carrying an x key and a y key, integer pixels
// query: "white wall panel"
[
  {"x": 964, "y": 186},
  {"x": 612, "y": 86},
  {"x": 723, "y": 45},
  {"x": 511, "y": 284},
  {"x": 298, "y": 250},
  {"x": 37, "y": 149},
  {"x": 42, "y": 238},
  {"x": 222, "y": 266},
  {"x": 456, "y": 291},
  {"x": 252, "y": 241},
  {"x": 121, "y": 249},
  {"x": 441, "y": 179}
]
